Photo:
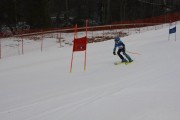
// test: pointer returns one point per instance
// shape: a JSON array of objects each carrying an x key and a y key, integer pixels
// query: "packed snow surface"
[{"x": 39, "y": 86}]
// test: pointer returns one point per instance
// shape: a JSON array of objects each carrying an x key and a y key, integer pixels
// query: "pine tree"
[{"x": 37, "y": 13}]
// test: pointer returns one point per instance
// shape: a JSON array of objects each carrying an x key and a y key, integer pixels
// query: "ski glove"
[{"x": 114, "y": 53}]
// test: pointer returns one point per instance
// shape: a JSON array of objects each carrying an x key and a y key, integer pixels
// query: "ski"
[{"x": 118, "y": 63}]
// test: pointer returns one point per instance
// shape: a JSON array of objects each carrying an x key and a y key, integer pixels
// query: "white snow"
[{"x": 39, "y": 86}]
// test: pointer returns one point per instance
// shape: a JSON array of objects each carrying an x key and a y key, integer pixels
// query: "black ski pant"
[
  {"x": 119, "y": 53},
  {"x": 124, "y": 53}
]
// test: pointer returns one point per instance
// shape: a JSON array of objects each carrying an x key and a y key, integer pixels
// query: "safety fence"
[
  {"x": 167, "y": 18},
  {"x": 39, "y": 40}
]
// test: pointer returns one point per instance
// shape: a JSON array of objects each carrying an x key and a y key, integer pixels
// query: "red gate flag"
[{"x": 80, "y": 44}]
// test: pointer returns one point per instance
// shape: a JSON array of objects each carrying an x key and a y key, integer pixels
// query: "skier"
[{"x": 121, "y": 48}]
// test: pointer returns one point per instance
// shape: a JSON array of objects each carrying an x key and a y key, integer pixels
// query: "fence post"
[
  {"x": 139, "y": 28},
  {"x": 42, "y": 41},
  {"x": 116, "y": 30},
  {"x": 57, "y": 37},
  {"x": 92, "y": 33},
  {"x": 59, "y": 40},
  {"x": 18, "y": 39},
  {"x": 93, "y": 39},
  {"x": 22, "y": 45},
  {"x": 103, "y": 35}
]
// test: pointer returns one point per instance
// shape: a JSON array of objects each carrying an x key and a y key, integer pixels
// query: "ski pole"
[{"x": 134, "y": 53}]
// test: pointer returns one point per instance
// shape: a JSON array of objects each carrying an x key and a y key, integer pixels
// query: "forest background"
[{"x": 66, "y": 13}]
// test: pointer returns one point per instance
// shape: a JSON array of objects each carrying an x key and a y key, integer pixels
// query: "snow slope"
[{"x": 38, "y": 86}]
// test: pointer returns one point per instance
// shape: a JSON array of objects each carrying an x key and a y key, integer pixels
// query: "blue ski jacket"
[{"x": 118, "y": 44}]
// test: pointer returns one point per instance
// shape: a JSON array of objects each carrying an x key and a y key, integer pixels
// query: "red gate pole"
[
  {"x": 71, "y": 62},
  {"x": 73, "y": 48}
]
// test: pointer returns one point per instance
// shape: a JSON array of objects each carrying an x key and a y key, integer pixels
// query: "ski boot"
[
  {"x": 130, "y": 60},
  {"x": 128, "y": 57}
]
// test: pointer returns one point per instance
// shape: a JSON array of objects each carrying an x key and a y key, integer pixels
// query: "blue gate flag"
[{"x": 172, "y": 30}]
